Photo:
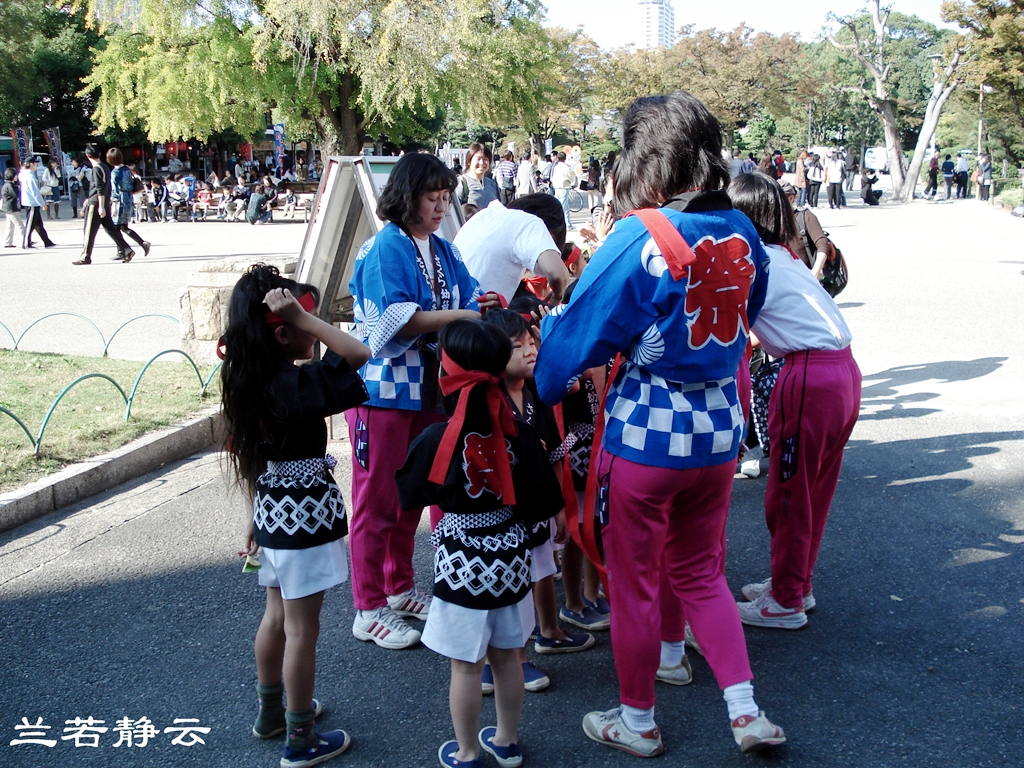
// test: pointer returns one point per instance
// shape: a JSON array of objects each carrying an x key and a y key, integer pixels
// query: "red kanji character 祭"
[
  {"x": 189, "y": 734},
  {"x": 33, "y": 734},
  {"x": 85, "y": 733},
  {"x": 478, "y": 464},
  {"x": 718, "y": 288}
]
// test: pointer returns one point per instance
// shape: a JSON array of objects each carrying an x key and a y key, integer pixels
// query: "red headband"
[
  {"x": 574, "y": 256},
  {"x": 307, "y": 301},
  {"x": 502, "y": 423}
]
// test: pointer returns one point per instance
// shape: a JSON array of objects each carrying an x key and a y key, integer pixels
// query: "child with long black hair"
[
  {"x": 276, "y": 444},
  {"x": 489, "y": 475}
]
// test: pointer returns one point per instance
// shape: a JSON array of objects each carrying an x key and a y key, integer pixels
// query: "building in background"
[{"x": 657, "y": 24}]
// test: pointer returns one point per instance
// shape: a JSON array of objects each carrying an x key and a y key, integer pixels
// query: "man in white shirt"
[
  {"x": 562, "y": 181},
  {"x": 499, "y": 244},
  {"x": 834, "y": 178}
]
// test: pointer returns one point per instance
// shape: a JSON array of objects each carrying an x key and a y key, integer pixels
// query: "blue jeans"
[{"x": 562, "y": 195}]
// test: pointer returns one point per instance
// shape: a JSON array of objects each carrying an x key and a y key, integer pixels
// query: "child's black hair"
[
  {"x": 510, "y": 322},
  {"x": 252, "y": 357},
  {"x": 476, "y": 346},
  {"x": 525, "y": 303}
]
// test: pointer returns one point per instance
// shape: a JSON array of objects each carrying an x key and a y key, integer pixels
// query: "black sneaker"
[{"x": 145, "y": 248}]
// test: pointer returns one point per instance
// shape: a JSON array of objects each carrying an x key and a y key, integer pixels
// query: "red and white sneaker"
[
  {"x": 384, "y": 627},
  {"x": 412, "y": 604},
  {"x": 765, "y": 612},
  {"x": 754, "y": 591},
  {"x": 607, "y": 728},
  {"x": 756, "y": 733}
]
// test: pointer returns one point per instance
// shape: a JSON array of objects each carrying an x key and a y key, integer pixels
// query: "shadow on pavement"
[{"x": 880, "y": 395}]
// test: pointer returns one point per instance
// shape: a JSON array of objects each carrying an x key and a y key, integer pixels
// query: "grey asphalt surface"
[{"x": 133, "y": 604}]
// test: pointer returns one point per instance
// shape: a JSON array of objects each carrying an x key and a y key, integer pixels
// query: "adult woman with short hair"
[
  {"x": 476, "y": 186},
  {"x": 407, "y": 285},
  {"x": 673, "y": 420}
]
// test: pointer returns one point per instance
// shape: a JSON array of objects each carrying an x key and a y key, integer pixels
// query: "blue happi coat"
[
  {"x": 673, "y": 403},
  {"x": 388, "y": 285}
]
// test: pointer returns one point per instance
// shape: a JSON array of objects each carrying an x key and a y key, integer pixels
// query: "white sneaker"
[
  {"x": 384, "y": 627},
  {"x": 766, "y": 612},
  {"x": 751, "y": 464},
  {"x": 756, "y": 733},
  {"x": 755, "y": 590},
  {"x": 412, "y": 604},
  {"x": 680, "y": 674},
  {"x": 608, "y": 728}
]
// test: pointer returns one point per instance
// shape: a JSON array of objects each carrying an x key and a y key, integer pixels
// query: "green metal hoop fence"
[{"x": 106, "y": 342}]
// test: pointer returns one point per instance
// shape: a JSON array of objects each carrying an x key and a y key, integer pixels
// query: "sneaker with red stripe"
[
  {"x": 412, "y": 604},
  {"x": 753, "y": 734},
  {"x": 608, "y": 728},
  {"x": 385, "y": 628},
  {"x": 766, "y": 612}
]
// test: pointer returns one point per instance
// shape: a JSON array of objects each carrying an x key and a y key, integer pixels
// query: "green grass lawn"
[{"x": 89, "y": 420}]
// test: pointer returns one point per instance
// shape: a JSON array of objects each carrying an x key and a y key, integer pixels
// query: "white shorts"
[
  {"x": 464, "y": 633},
  {"x": 543, "y": 564},
  {"x": 304, "y": 572}
]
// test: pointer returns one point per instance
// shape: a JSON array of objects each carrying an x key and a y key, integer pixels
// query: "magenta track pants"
[
  {"x": 381, "y": 536},
  {"x": 811, "y": 415},
  {"x": 669, "y": 521}
]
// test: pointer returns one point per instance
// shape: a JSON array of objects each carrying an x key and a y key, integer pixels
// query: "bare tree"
[
  {"x": 947, "y": 77},
  {"x": 871, "y": 54}
]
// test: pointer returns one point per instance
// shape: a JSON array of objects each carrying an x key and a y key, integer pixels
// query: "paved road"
[{"x": 133, "y": 604}]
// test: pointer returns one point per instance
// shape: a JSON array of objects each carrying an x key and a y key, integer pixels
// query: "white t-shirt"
[
  {"x": 798, "y": 313},
  {"x": 499, "y": 243},
  {"x": 428, "y": 257},
  {"x": 562, "y": 176}
]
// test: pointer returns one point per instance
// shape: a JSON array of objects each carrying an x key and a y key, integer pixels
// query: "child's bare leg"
[
  {"x": 572, "y": 576},
  {"x": 591, "y": 581},
  {"x": 547, "y": 610},
  {"x": 301, "y": 629},
  {"x": 464, "y": 701},
  {"x": 508, "y": 693},
  {"x": 270, "y": 640}
]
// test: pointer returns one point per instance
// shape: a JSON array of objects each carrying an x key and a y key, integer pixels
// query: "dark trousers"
[
  {"x": 34, "y": 223},
  {"x": 508, "y": 195},
  {"x": 93, "y": 222},
  {"x": 961, "y": 184},
  {"x": 813, "y": 188},
  {"x": 933, "y": 183},
  {"x": 835, "y": 195}
]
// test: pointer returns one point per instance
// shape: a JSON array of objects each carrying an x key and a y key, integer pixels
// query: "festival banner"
[
  {"x": 279, "y": 146},
  {"x": 22, "y": 138},
  {"x": 53, "y": 144}
]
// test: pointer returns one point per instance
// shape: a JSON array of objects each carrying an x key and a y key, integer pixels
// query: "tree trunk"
[
  {"x": 887, "y": 114},
  {"x": 340, "y": 130},
  {"x": 936, "y": 103}
]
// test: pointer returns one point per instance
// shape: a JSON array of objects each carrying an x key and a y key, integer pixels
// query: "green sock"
[
  {"x": 270, "y": 721},
  {"x": 300, "y": 729}
]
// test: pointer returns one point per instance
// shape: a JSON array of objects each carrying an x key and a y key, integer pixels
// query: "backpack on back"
[{"x": 834, "y": 275}]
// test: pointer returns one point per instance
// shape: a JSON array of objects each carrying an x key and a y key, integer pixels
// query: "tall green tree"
[
  {"x": 996, "y": 28},
  {"x": 336, "y": 68}
]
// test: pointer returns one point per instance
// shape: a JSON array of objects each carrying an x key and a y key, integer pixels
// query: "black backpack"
[{"x": 834, "y": 275}]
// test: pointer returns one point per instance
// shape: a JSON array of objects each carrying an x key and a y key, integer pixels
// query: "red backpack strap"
[{"x": 676, "y": 252}]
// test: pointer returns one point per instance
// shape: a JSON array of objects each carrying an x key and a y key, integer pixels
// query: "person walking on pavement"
[
  {"x": 122, "y": 188},
  {"x": 32, "y": 202},
  {"x": 562, "y": 181},
  {"x": 97, "y": 212},
  {"x": 849, "y": 168},
  {"x": 10, "y": 204},
  {"x": 933, "y": 176},
  {"x": 834, "y": 178}
]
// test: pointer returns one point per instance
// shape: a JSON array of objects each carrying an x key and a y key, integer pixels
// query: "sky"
[{"x": 612, "y": 23}]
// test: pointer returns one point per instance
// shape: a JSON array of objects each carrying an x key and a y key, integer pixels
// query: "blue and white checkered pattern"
[
  {"x": 677, "y": 426},
  {"x": 396, "y": 379}
]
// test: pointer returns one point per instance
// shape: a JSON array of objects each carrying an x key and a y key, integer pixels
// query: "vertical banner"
[
  {"x": 53, "y": 144},
  {"x": 245, "y": 153},
  {"x": 279, "y": 146},
  {"x": 547, "y": 146},
  {"x": 22, "y": 144}
]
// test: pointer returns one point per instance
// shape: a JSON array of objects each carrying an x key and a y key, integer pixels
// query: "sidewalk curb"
[{"x": 103, "y": 472}]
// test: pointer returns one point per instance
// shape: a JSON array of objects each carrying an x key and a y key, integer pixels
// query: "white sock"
[
  {"x": 638, "y": 720},
  {"x": 740, "y": 700},
  {"x": 671, "y": 654}
]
